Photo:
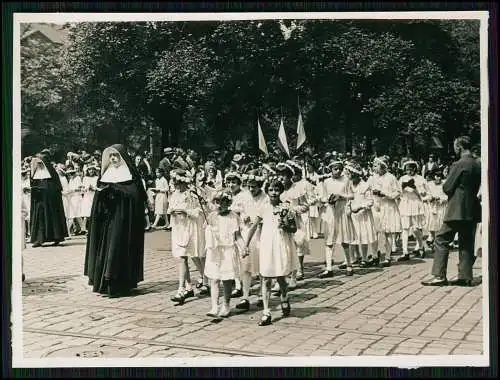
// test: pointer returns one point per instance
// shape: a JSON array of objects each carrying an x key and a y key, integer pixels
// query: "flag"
[
  {"x": 437, "y": 142},
  {"x": 262, "y": 141},
  {"x": 301, "y": 133},
  {"x": 282, "y": 138}
]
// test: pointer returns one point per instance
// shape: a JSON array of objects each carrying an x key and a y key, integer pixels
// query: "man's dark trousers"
[{"x": 466, "y": 233}]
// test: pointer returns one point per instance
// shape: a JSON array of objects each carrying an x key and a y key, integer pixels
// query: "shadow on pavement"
[
  {"x": 49, "y": 279},
  {"x": 156, "y": 287},
  {"x": 477, "y": 280},
  {"x": 305, "y": 312},
  {"x": 316, "y": 283},
  {"x": 363, "y": 271},
  {"x": 412, "y": 261},
  {"x": 303, "y": 297}
]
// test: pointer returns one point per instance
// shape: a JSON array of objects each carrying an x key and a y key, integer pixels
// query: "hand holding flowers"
[{"x": 287, "y": 220}]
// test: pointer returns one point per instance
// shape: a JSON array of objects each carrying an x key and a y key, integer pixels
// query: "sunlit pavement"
[{"x": 374, "y": 312}]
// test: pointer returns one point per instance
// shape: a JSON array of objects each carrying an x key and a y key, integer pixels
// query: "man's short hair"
[{"x": 463, "y": 142}]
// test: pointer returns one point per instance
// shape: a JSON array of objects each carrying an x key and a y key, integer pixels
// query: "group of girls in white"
[
  {"x": 260, "y": 223},
  {"x": 78, "y": 190},
  {"x": 231, "y": 237},
  {"x": 236, "y": 226}
]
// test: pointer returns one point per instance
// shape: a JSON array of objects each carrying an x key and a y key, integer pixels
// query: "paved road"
[{"x": 374, "y": 312}]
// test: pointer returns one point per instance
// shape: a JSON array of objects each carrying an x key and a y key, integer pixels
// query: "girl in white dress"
[
  {"x": 339, "y": 229},
  {"x": 89, "y": 183},
  {"x": 199, "y": 236},
  {"x": 427, "y": 200},
  {"x": 249, "y": 266},
  {"x": 74, "y": 200},
  {"x": 160, "y": 198},
  {"x": 184, "y": 210},
  {"x": 223, "y": 236},
  {"x": 437, "y": 200},
  {"x": 411, "y": 208},
  {"x": 361, "y": 213},
  {"x": 233, "y": 182},
  {"x": 213, "y": 176},
  {"x": 386, "y": 190},
  {"x": 65, "y": 191},
  {"x": 296, "y": 194},
  {"x": 277, "y": 256},
  {"x": 307, "y": 187},
  {"x": 314, "y": 217},
  {"x": 25, "y": 185}
]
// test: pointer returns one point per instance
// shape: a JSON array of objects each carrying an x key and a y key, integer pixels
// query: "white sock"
[
  {"x": 214, "y": 293},
  {"x": 329, "y": 258},
  {"x": 404, "y": 237}
]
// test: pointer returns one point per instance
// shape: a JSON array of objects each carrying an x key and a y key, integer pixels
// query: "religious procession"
[
  {"x": 249, "y": 219},
  {"x": 241, "y": 217}
]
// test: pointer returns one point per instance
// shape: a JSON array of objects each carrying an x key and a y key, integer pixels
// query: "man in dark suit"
[
  {"x": 430, "y": 166},
  {"x": 463, "y": 212},
  {"x": 166, "y": 162}
]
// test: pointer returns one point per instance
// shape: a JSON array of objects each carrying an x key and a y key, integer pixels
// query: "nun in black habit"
[
  {"x": 47, "y": 222},
  {"x": 114, "y": 258}
]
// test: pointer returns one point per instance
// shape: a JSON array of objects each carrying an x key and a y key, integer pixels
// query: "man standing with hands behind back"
[{"x": 463, "y": 212}]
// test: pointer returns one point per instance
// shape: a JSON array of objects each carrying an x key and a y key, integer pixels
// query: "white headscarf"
[
  {"x": 111, "y": 173},
  {"x": 39, "y": 171}
]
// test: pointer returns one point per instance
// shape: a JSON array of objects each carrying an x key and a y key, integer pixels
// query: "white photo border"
[{"x": 403, "y": 361}]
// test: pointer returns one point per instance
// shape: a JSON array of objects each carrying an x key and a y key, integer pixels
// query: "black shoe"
[
  {"x": 56, "y": 243},
  {"x": 265, "y": 320},
  {"x": 243, "y": 305},
  {"x": 326, "y": 274},
  {"x": 435, "y": 282},
  {"x": 420, "y": 253},
  {"x": 385, "y": 264},
  {"x": 259, "y": 303},
  {"x": 285, "y": 308},
  {"x": 180, "y": 297},
  {"x": 236, "y": 293},
  {"x": 460, "y": 282},
  {"x": 300, "y": 276},
  {"x": 189, "y": 294},
  {"x": 349, "y": 271},
  {"x": 356, "y": 262},
  {"x": 403, "y": 258},
  {"x": 342, "y": 266},
  {"x": 36, "y": 244},
  {"x": 205, "y": 290},
  {"x": 364, "y": 264}
]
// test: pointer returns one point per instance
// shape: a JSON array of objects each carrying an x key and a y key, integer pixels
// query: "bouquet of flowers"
[{"x": 286, "y": 218}]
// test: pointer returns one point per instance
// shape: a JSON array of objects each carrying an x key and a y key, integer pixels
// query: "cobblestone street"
[{"x": 375, "y": 312}]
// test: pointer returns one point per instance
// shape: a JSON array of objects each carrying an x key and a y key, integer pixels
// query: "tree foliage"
[{"x": 203, "y": 84}]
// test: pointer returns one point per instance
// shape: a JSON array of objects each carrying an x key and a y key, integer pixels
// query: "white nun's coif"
[{"x": 114, "y": 173}]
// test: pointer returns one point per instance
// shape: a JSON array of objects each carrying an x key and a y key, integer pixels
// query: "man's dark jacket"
[{"x": 462, "y": 186}]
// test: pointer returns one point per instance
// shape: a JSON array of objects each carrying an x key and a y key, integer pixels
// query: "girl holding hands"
[{"x": 277, "y": 252}]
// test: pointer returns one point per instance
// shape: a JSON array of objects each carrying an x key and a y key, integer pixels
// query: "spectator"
[{"x": 463, "y": 212}]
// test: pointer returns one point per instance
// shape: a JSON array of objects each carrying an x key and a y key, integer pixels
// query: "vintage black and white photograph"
[{"x": 250, "y": 189}]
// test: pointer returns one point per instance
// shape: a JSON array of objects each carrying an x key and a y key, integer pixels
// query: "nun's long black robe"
[
  {"x": 47, "y": 221},
  {"x": 114, "y": 259}
]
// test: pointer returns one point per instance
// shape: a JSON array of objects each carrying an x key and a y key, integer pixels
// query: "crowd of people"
[{"x": 241, "y": 217}]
